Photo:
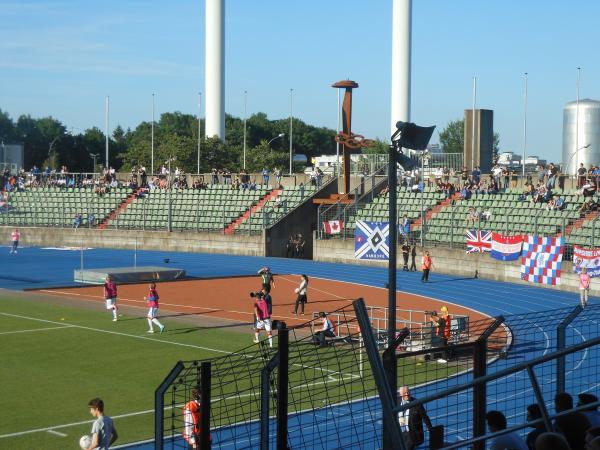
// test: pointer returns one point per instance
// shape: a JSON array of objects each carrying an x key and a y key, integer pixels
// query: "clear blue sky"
[{"x": 61, "y": 58}]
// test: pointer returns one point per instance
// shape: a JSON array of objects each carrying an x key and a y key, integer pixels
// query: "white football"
[
  {"x": 85, "y": 441},
  {"x": 296, "y": 290}
]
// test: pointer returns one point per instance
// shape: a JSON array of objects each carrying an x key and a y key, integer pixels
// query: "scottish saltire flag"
[
  {"x": 588, "y": 258},
  {"x": 506, "y": 248},
  {"x": 372, "y": 240},
  {"x": 478, "y": 241},
  {"x": 541, "y": 259}
]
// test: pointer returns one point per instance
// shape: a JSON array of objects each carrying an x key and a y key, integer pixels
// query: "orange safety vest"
[
  {"x": 426, "y": 262},
  {"x": 191, "y": 422}
]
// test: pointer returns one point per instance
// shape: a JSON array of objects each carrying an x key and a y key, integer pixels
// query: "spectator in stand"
[
  {"x": 472, "y": 216},
  {"x": 214, "y": 176},
  {"x": 405, "y": 226},
  {"x": 551, "y": 441},
  {"x": 77, "y": 221},
  {"x": 552, "y": 174},
  {"x": 496, "y": 174},
  {"x": 493, "y": 187},
  {"x": 465, "y": 192},
  {"x": 476, "y": 175},
  {"x": 91, "y": 219},
  {"x": 534, "y": 413},
  {"x": 572, "y": 426},
  {"x": 506, "y": 175},
  {"x": 464, "y": 175},
  {"x": 556, "y": 203},
  {"x": 592, "y": 414},
  {"x": 588, "y": 188},
  {"x": 541, "y": 173},
  {"x": 265, "y": 175},
  {"x": 581, "y": 176},
  {"x": 496, "y": 421},
  {"x": 540, "y": 193},
  {"x": 277, "y": 173}
]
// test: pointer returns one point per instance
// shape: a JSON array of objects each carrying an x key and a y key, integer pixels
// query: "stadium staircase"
[
  {"x": 120, "y": 208},
  {"x": 252, "y": 211},
  {"x": 435, "y": 210}
]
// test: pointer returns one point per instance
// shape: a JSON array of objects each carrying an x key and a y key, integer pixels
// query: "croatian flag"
[
  {"x": 478, "y": 241},
  {"x": 542, "y": 259},
  {"x": 506, "y": 248},
  {"x": 333, "y": 226}
]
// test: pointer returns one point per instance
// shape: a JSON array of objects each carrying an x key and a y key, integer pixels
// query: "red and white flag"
[{"x": 333, "y": 226}]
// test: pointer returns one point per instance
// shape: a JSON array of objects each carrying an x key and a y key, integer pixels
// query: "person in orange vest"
[
  {"x": 191, "y": 420},
  {"x": 426, "y": 265},
  {"x": 445, "y": 333}
]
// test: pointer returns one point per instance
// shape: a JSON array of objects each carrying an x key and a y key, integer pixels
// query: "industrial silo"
[{"x": 583, "y": 147}]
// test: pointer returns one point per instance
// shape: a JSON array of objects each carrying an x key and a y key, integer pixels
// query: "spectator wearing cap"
[
  {"x": 591, "y": 413},
  {"x": 496, "y": 421}
]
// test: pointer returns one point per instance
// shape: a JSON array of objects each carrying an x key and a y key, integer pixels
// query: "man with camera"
[{"x": 263, "y": 317}]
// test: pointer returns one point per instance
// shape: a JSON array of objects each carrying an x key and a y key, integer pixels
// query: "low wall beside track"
[
  {"x": 452, "y": 262},
  {"x": 250, "y": 245}
]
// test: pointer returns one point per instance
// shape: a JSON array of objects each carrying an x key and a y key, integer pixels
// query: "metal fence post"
[
  {"x": 561, "y": 341},
  {"x": 205, "y": 385},
  {"x": 159, "y": 405},
  {"x": 282, "y": 386},
  {"x": 387, "y": 397},
  {"x": 265, "y": 397}
]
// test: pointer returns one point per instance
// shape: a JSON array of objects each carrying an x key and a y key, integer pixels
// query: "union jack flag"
[{"x": 478, "y": 241}]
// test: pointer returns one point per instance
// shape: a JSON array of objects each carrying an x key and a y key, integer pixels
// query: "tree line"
[{"x": 49, "y": 142}]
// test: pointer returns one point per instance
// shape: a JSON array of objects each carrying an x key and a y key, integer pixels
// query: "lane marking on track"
[{"x": 36, "y": 329}]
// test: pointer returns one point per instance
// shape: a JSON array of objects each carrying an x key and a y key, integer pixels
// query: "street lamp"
[
  {"x": 280, "y": 135},
  {"x": 51, "y": 147},
  {"x": 568, "y": 165},
  {"x": 94, "y": 156},
  {"x": 245, "y": 118}
]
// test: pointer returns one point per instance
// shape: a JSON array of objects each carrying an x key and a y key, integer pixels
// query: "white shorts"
[
  {"x": 152, "y": 312},
  {"x": 263, "y": 324},
  {"x": 111, "y": 302}
]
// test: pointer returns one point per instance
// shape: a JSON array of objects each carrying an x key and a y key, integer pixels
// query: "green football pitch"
[{"x": 56, "y": 357}]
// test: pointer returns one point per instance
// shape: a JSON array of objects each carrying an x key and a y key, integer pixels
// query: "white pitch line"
[
  {"x": 37, "y": 329},
  {"x": 117, "y": 333},
  {"x": 57, "y": 433}
]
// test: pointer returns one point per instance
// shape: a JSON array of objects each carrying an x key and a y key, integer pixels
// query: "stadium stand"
[{"x": 58, "y": 207}]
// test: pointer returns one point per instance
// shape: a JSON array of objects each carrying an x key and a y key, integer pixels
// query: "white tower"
[
  {"x": 401, "y": 48},
  {"x": 215, "y": 69}
]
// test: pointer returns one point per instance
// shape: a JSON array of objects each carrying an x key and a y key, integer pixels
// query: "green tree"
[{"x": 452, "y": 138}]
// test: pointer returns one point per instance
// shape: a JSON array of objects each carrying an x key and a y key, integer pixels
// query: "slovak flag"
[
  {"x": 333, "y": 226},
  {"x": 478, "y": 241}
]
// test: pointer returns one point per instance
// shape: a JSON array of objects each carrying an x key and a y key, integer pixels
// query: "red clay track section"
[{"x": 228, "y": 298}]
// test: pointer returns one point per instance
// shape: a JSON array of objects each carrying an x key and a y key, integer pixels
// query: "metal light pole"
[
  {"x": 473, "y": 124},
  {"x": 337, "y": 144},
  {"x": 524, "y": 127},
  {"x": 152, "y": 140},
  {"x": 199, "y": 129},
  {"x": 291, "y": 126},
  {"x": 577, "y": 124},
  {"x": 423, "y": 153},
  {"x": 106, "y": 107},
  {"x": 245, "y": 118}
]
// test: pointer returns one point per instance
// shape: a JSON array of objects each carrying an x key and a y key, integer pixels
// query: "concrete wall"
[
  {"x": 451, "y": 262},
  {"x": 148, "y": 240}
]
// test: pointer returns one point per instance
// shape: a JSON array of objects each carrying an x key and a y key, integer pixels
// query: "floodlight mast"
[{"x": 410, "y": 136}]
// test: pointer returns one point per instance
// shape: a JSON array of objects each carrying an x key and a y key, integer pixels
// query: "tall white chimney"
[
  {"x": 401, "y": 60},
  {"x": 215, "y": 69}
]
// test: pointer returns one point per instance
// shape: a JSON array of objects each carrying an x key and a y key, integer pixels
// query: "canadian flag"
[{"x": 333, "y": 226}]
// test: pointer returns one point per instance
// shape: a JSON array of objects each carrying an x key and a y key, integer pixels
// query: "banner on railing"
[
  {"x": 541, "y": 259},
  {"x": 478, "y": 241},
  {"x": 588, "y": 258},
  {"x": 333, "y": 226},
  {"x": 506, "y": 248},
  {"x": 372, "y": 240}
]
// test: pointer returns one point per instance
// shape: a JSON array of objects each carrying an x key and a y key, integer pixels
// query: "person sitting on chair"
[{"x": 327, "y": 330}]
